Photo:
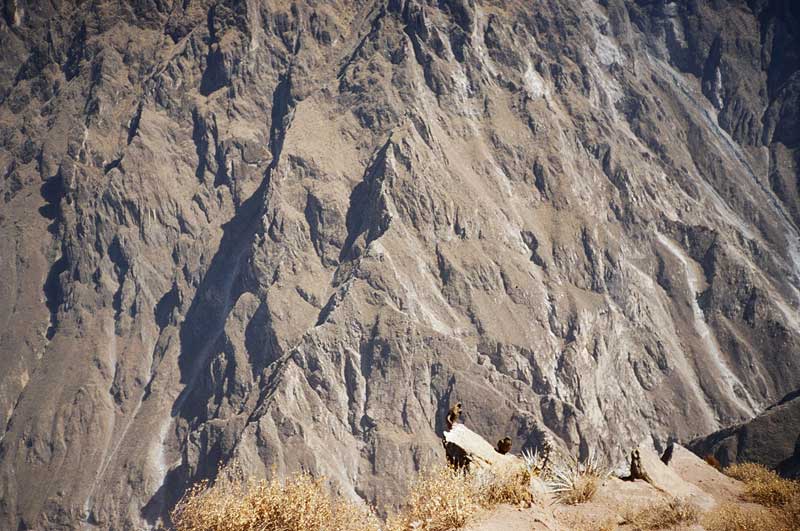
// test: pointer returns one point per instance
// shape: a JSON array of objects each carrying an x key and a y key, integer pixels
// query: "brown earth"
[{"x": 694, "y": 481}]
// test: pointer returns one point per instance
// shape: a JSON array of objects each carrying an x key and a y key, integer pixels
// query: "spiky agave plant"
[
  {"x": 534, "y": 462},
  {"x": 537, "y": 461},
  {"x": 574, "y": 481}
]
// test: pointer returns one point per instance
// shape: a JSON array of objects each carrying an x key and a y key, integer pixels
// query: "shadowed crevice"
[
  {"x": 133, "y": 127},
  {"x": 54, "y": 293},
  {"x": 53, "y": 191},
  {"x": 368, "y": 213},
  {"x": 121, "y": 266},
  {"x": 112, "y": 165},
  {"x": 203, "y": 327},
  {"x": 165, "y": 306}
]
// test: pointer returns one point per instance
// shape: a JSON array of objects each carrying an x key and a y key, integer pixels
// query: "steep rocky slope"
[
  {"x": 294, "y": 231},
  {"x": 772, "y": 439}
]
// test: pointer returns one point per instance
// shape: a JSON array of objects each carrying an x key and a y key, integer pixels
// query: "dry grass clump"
[
  {"x": 512, "y": 486},
  {"x": 581, "y": 489},
  {"x": 767, "y": 488},
  {"x": 574, "y": 481},
  {"x": 749, "y": 472},
  {"x": 232, "y": 503},
  {"x": 733, "y": 517},
  {"x": 667, "y": 514},
  {"x": 440, "y": 499},
  {"x": 777, "y": 492},
  {"x": 791, "y": 511},
  {"x": 445, "y": 498}
]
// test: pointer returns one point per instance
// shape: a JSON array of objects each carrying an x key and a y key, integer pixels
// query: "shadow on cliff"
[
  {"x": 201, "y": 333},
  {"x": 53, "y": 191}
]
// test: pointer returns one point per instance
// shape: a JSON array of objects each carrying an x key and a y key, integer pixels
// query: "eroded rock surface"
[
  {"x": 772, "y": 439},
  {"x": 294, "y": 232}
]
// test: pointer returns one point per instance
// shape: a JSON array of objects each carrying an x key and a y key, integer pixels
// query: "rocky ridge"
[
  {"x": 293, "y": 232},
  {"x": 772, "y": 439}
]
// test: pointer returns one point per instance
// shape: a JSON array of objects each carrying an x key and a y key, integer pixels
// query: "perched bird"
[
  {"x": 452, "y": 415},
  {"x": 504, "y": 445},
  {"x": 666, "y": 457}
]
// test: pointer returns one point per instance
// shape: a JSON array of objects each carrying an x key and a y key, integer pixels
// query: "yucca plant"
[
  {"x": 574, "y": 481},
  {"x": 536, "y": 462}
]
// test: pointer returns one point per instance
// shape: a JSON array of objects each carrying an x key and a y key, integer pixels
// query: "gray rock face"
[
  {"x": 772, "y": 439},
  {"x": 293, "y": 232}
]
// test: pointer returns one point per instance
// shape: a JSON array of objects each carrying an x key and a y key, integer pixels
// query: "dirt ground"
[{"x": 687, "y": 477}]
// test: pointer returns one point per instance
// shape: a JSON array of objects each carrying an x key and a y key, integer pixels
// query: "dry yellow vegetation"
[
  {"x": 440, "y": 499},
  {"x": 512, "y": 486},
  {"x": 574, "y": 481},
  {"x": 750, "y": 473},
  {"x": 765, "y": 487},
  {"x": 734, "y": 517},
  {"x": 444, "y": 498},
  {"x": 667, "y": 514},
  {"x": 582, "y": 489},
  {"x": 232, "y": 503}
]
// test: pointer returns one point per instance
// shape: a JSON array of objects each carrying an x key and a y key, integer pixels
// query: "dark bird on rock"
[
  {"x": 504, "y": 445},
  {"x": 666, "y": 457},
  {"x": 452, "y": 415}
]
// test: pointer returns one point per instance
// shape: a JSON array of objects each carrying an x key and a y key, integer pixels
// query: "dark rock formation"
[
  {"x": 772, "y": 439},
  {"x": 285, "y": 231}
]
